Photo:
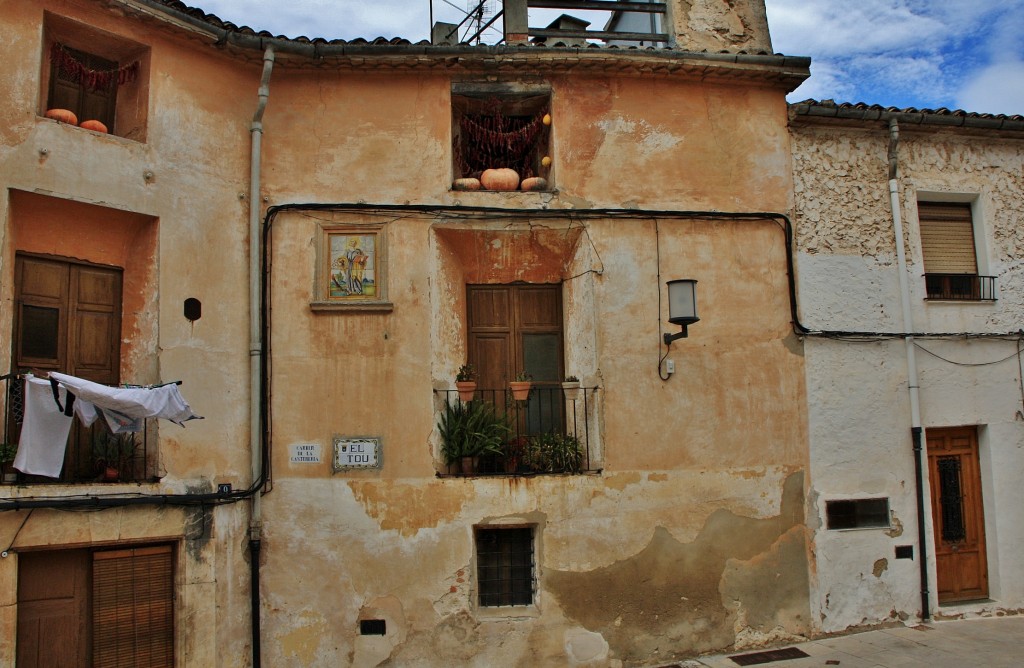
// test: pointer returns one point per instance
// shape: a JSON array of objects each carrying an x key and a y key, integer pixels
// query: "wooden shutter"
[
  {"x": 133, "y": 608},
  {"x": 947, "y": 238},
  {"x": 53, "y": 609},
  {"x": 88, "y": 104}
]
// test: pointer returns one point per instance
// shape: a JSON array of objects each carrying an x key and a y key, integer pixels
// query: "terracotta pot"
[
  {"x": 110, "y": 474},
  {"x": 534, "y": 183},
  {"x": 466, "y": 389},
  {"x": 520, "y": 389},
  {"x": 500, "y": 179},
  {"x": 468, "y": 465},
  {"x": 93, "y": 125},
  {"x": 62, "y": 115}
]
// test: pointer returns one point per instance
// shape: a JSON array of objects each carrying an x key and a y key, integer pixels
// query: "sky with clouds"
[{"x": 960, "y": 54}]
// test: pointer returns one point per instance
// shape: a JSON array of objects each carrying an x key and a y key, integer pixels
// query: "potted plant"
[
  {"x": 114, "y": 454},
  {"x": 521, "y": 386},
  {"x": 515, "y": 453},
  {"x": 555, "y": 453},
  {"x": 469, "y": 430},
  {"x": 571, "y": 388},
  {"x": 8, "y": 451},
  {"x": 465, "y": 382}
]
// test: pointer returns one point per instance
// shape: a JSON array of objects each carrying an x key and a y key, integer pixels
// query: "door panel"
[
  {"x": 957, "y": 514},
  {"x": 53, "y": 605}
]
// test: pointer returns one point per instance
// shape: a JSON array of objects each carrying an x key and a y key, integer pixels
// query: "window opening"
[
  {"x": 857, "y": 513},
  {"x": 951, "y": 500},
  {"x": 950, "y": 255},
  {"x": 502, "y": 131},
  {"x": 505, "y": 566}
]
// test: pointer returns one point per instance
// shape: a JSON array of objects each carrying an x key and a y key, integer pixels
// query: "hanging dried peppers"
[
  {"x": 71, "y": 68},
  {"x": 491, "y": 139}
]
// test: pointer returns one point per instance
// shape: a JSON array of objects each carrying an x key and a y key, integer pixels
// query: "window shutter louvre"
[
  {"x": 947, "y": 238},
  {"x": 133, "y": 611}
]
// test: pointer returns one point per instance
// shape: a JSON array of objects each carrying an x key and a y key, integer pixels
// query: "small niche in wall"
[
  {"x": 373, "y": 627},
  {"x": 857, "y": 513}
]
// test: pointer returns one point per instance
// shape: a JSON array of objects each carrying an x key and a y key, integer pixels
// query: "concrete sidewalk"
[{"x": 970, "y": 643}]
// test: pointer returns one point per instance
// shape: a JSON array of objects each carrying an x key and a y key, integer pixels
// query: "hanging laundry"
[
  {"x": 122, "y": 406},
  {"x": 45, "y": 428}
]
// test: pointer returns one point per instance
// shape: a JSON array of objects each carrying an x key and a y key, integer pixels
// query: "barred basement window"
[
  {"x": 857, "y": 513},
  {"x": 505, "y": 568}
]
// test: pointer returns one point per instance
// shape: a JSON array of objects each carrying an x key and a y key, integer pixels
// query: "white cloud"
[{"x": 996, "y": 89}]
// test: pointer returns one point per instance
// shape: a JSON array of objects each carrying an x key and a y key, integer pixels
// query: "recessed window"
[
  {"x": 950, "y": 254},
  {"x": 95, "y": 75},
  {"x": 501, "y": 130},
  {"x": 857, "y": 513},
  {"x": 505, "y": 569}
]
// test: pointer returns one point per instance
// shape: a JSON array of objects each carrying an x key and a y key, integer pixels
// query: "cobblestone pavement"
[{"x": 969, "y": 643}]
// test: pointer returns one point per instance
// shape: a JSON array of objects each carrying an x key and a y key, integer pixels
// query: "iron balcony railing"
[
  {"x": 92, "y": 454},
  {"x": 961, "y": 287},
  {"x": 550, "y": 432}
]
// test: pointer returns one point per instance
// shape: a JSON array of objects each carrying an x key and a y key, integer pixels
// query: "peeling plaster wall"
[
  {"x": 172, "y": 212},
  {"x": 859, "y": 409}
]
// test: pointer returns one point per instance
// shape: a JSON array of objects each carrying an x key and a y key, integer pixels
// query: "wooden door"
[
  {"x": 957, "y": 514},
  {"x": 68, "y": 319},
  {"x": 517, "y": 328},
  {"x": 53, "y": 609}
]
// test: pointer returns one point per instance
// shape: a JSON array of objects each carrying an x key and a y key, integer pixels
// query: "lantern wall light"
[{"x": 682, "y": 306}]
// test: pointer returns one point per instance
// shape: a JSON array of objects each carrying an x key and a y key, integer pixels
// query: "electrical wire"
[{"x": 999, "y": 361}]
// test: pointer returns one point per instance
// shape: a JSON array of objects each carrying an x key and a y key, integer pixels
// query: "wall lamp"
[{"x": 682, "y": 306}]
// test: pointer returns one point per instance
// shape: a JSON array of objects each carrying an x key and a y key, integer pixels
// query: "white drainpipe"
[
  {"x": 255, "y": 336},
  {"x": 912, "y": 377}
]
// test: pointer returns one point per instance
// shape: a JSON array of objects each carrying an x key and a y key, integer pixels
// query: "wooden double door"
[{"x": 957, "y": 514}]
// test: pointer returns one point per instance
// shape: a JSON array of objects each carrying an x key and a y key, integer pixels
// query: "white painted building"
[{"x": 958, "y": 196}]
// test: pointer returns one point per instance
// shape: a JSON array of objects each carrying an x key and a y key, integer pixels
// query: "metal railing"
[
  {"x": 550, "y": 432},
  {"x": 961, "y": 287},
  {"x": 92, "y": 454}
]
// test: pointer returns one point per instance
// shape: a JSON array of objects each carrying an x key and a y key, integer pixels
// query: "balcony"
[
  {"x": 961, "y": 287},
  {"x": 93, "y": 454},
  {"x": 550, "y": 432}
]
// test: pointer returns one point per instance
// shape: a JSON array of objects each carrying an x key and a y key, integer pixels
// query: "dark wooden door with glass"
[
  {"x": 517, "y": 329},
  {"x": 68, "y": 319},
  {"x": 957, "y": 516}
]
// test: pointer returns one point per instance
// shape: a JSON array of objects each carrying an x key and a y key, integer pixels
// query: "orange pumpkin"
[
  {"x": 95, "y": 126},
  {"x": 500, "y": 179},
  {"x": 466, "y": 184},
  {"x": 62, "y": 116},
  {"x": 534, "y": 183}
]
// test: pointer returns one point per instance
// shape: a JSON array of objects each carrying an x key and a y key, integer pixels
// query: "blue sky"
[{"x": 960, "y": 54}]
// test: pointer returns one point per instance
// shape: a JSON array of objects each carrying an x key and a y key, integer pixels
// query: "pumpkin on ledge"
[
  {"x": 62, "y": 116},
  {"x": 500, "y": 179},
  {"x": 95, "y": 126}
]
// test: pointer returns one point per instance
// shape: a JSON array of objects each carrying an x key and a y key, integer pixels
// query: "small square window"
[
  {"x": 497, "y": 129},
  {"x": 857, "y": 513},
  {"x": 505, "y": 568},
  {"x": 97, "y": 76}
]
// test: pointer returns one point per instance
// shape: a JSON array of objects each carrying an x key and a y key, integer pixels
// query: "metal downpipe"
[
  {"x": 913, "y": 381},
  {"x": 256, "y": 351}
]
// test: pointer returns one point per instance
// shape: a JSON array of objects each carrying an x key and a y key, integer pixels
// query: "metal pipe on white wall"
[
  {"x": 912, "y": 376},
  {"x": 256, "y": 349}
]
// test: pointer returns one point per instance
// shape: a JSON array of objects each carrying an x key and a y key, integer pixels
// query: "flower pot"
[
  {"x": 520, "y": 389},
  {"x": 468, "y": 465},
  {"x": 571, "y": 389},
  {"x": 110, "y": 474},
  {"x": 466, "y": 388}
]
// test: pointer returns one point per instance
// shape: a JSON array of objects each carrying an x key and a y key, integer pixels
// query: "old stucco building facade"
[
  {"x": 952, "y": 183},
  {"x": 281, "y": 222}
]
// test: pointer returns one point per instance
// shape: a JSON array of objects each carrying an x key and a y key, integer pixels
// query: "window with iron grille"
[
  {"x": 950, "y": 254},
  {"x": 505, "y": 566}
]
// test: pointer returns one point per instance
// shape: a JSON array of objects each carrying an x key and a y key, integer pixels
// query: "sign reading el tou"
[{"x": 356, "y": 453}]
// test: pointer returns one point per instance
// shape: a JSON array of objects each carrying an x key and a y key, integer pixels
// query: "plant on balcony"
[
  {"x": 521, "y": 386},
  {"x": 465, "y": 382},
  {"x": 8, "y": 451},
  {"x": 555, "y": 453},
  {"x": 114, "y": 454},
  {"x": 469, "y": 430},
  {"x": 571, "y": 388}
]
